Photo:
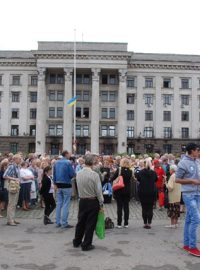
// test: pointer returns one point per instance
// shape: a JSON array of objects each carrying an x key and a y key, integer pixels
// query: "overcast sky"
[{"x": 154, "y": 26}]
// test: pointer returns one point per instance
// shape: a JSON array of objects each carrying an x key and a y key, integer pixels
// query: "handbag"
[
  {"x": 119, "y": 182},
  {"x": 13, "y": 186},
  {"x": 107, "y": 189},
  {"x": 100, "y": 225}
]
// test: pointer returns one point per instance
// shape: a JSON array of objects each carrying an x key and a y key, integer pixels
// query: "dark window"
[
  {"x": 130, "y": 149},
  {"x": 104, "y": 113},
  {"x": 34, "y": 80},
  {"x": 148, "y": 148},
  {"x": 85, "y": 131},
  {"x": 14, "y": 148},
  {"x": 54, "y": 149},
  {"x": 52, "y": 130},
  {"x": 33, "y": 113},
  {"x": 15, "y": 113},
  {"x": 184, "y": 100},
  {"x": 86, "y": 78},
  {"x": 148, "y": 115},
  {"x": 1, "y": 81},
  {"x": 32, "y": 130},
  {"x": 148, "y": 132},
  {"x": 52, "y": 78},
  {"x": 167, "y": 116},
  {"x": 52, "y": 95},
  {"x": 60, "y": 112},
  {"x": 16, "y": 80},
  {"x": 130, "y": 132},
  {"x": 130, "y": 98},
  {"x": 167, "y": 148},
  {"x": 51, "y": 112},
  {"x": 78, "y": 130},
  {"x": 78, "y": 112},
  {"x": 15, "y": 96},
  {"x": 78, "y": 95},
  {"x": 185, "y": 133},
  {"x": 148, "y": 82},
  {"x": 86, "y": 112},
  {"x": 104, "y": 79},
  {"x": 167, "y": 99},
  {"x": 107, "y": 131},
  {"x": 14, "y": 130},
  {"x": 104, "y": 96},
  {"x": 148, "y": 99},
  {"x": 185, "y": 83},
  {"x": 112, "y": 96},
  {"x": 131, "y": 82},
  {"x": 60, "y": 95},
  {"x": 167, "y": 132},
  {"x": 112, "y": 79},
  {"x": 112, "y": 113},
  {"x": 86, "y": 96},
  {"x": 166, "y": 83},
  {"x": 130, "y": 115},
  {"x": 31, "y": 147},
  {"x": 60, "y": 79},
  {"x": 184, "y": 116},
  {"x": 78, "y": 78},
  {"x": 0, "y": 96},
  {"x": 33, "y": 96}
]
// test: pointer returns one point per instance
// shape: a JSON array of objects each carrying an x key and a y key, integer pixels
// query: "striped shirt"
[{"x": 89, "y": 184}]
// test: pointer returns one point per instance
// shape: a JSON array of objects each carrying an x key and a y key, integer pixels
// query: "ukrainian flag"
[{"x": 71, "y": 101}]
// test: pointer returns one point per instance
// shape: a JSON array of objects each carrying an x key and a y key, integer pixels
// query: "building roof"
[
  {"x": 16, "y": 54},
  {"x": 166, "y": 57}
]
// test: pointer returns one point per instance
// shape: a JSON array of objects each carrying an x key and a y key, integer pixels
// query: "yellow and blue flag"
[{"x": 71, "y": 101}]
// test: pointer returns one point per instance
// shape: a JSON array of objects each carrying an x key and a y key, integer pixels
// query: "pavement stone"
[{"x": 34, "y": 246}]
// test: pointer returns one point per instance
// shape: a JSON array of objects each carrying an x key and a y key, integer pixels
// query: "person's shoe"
[
  {"x": 88, "y": 248},
  {"x": 148, "y": 226},
  {"x": 67, "y": 227},
  {"x": 145, "y": 226},
  {"x": 126, "y": 226},
  {"x": 186, "y": 248},
  {"x": 119, "y": 226},
  {"x": 50, "y": 222},
  {"x": 46, "y": 219},
  {"x": 169, "y": 226},
  {"x": 16, "y": 222},
  {"x": 75, "y": 245},
  {"x": 194, "y": 252},
  {"x": 11, "y": 224},
  {"x": 58, "y": 225}
]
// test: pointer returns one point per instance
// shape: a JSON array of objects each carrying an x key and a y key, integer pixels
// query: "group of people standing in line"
[{"x": 179, "y": 179}]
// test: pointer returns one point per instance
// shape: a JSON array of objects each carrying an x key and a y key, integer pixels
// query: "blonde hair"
[
  {"x": 4, "y": 163},
  {"x": 125, "y": 162},
  {"x": 148, "y": 163}
]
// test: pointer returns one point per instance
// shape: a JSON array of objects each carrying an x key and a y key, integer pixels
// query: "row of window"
[
  {"x": 105, "y": 131},
  {"x": 166, "y": 116},
  {"x": 167, "y": 99},
  {"x": 105, "y": 79},
  {"x": 185, "y": 83}
]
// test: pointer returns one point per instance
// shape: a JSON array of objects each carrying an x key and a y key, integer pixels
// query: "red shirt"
[{"x": 160, "y": 173}]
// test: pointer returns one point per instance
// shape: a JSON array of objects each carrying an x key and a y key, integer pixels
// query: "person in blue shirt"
[{"x": 62, "y": 176}]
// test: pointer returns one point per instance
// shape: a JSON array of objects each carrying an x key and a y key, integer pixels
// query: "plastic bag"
[{"x": 100, "y": 226}]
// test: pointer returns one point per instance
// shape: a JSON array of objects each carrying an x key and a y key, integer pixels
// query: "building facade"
[{"x": 126, "y": 102}]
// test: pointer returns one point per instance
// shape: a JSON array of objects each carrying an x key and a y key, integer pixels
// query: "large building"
[{"x": 126, "y": 101}]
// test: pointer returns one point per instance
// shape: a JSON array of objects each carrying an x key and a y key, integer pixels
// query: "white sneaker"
[
  {"x": 119, "y": 226},
  {"x": 125, "y": 226},
  {"x": 170, "y": 226}
]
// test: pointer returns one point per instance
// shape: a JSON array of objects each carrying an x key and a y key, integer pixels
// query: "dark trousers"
[
  {"x": 122, "y": 204},
  {"x": 147, "y": 212},
  {"x": 87, "y": 219},
  {"x": 50, "y": 204}
]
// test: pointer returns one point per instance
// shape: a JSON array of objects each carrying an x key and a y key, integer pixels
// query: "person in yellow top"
[{"x": 174, "y": 194}]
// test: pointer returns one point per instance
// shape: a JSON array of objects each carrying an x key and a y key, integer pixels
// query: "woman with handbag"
[
  {"x": 122, "y": 195},
  {"x": 174, "y": 194},
  {"x": 147, "y": 191}
]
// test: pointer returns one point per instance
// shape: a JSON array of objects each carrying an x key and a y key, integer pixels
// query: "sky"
[{"x": 148, "y": 26}]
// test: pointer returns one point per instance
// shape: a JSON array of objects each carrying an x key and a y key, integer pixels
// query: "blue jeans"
[
  {"x": 192, "y": 219},
  {"x": 62, "y": 206}
]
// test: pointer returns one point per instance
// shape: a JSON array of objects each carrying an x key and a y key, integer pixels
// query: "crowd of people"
[{"x": 156, "y": 181}]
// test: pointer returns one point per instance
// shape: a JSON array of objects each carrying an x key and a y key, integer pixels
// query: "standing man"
[
  {"x": 91, "y": 200},
  {"x": 12, "y": 173},
  {"x": 62, "y": 176},
  {"x": 188, "y": 175}
]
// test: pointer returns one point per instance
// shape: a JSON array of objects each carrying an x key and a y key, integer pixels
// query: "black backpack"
[{"x": 109, "y": 224}]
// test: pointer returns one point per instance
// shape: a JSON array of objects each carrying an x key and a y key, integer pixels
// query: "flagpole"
[{"x": 74, "y": 142}]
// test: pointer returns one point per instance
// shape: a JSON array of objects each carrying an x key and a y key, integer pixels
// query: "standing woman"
[
  {"x": 47, "y": 191},
  {"x": 174, "y": 195},
  {"x": 122, "y": 196},
  {"x": 3, "y": 186},
  {"x": 147, "y": 186}
]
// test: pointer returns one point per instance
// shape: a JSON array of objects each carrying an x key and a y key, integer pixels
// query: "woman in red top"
[{"x": 160, "y": 182}]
